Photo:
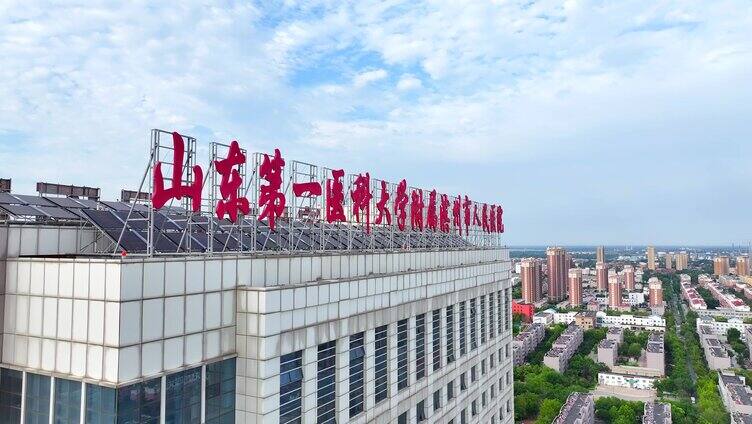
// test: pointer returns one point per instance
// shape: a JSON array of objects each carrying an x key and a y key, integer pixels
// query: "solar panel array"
[{"x": 176, "y": 232}]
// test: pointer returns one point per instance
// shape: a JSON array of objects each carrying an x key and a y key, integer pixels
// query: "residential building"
[
  {"x": 563, "y": 348},
  {"x": 656, "y": 291},
  {"x": 656, "y": 413},
  {"x": 614, "y": 291},
  {"x": 615, "y": 333},
  {"x": 608, "y": 352},
  {"x": 654, "y": 352},
  {"x": 557, "y": 267},
  {"x": 628, "y": 381},
  {"x": 651, "y": 258},
  {"x": 526, "y": 341},
  {"x": 742, "y": 265},
  {"x": 575, "y": 287},
  {"x": 585, "y": 320},
  {"x": 601, "y": 276},
  {"x": 737, "y": 397},
  {"x": 600, "y": 254},
  {"x": 715, "y": 353},
  {"x": 530, "y": 273},
  {"x": 721, "y": 265},
  {"x": 629, "y": 277},
  {"x": 668, "y": 258},
  {"x": 526, "y": 309},
  {"x": 578, "y": 409},
  {"x": 682, "y": 261}
]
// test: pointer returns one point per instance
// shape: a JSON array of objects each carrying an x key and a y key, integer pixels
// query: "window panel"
[
  {"x": 473, "y": 325},
  {"x": 325, "y": 383},
  {"x": 37, "y": 398},
  {"x": 100, "y": 404},
  {"x": 491, "y": 327},
  {"x": 290, "y": 387},
  {"x": 463, "y": 329},
  {"x": 420, "y": 346},
  {"x": 450, "y": 333},
  {"x": 381, "y": 372},
  {"x": 357, "y": 356},
  {"x": 183, "y": 397},
  {"x": 67, "y": 401},
  {"x": 482, "y": 319},
  {"x": 436, "y": 334},
  {"x": 402, "y": 355},
  {"x": 139, "y": 402},
  {"x": 500, "y": 308},
  {"x": 11, "y": 386},
  {"x": 220, "y": 392}
]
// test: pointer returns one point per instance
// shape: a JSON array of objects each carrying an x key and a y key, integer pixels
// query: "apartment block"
[
  {"x": 563, "y": 348},
  {"x": 578, "y": 409}
]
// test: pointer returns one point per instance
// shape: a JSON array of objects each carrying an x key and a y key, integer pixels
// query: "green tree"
[
  {"x": 526, "y": 406},
  {"x": 549, "y": 409}
]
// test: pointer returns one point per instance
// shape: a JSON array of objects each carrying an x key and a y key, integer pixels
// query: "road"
[{"x": 679, "y": 314}]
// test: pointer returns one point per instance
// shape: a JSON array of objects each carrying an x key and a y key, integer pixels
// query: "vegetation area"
[
  {"x": 734, "y": 337},
  {"x": 683, "y": 349},
  {"x": 613, "y": 410},
  {"x": 517, "y": 291},
  {"x": 540, "y": 391},
  {"x": 634, "y": 343},
  {"x": 517, "y": 320},
  {"x": 708, "y": 298}
]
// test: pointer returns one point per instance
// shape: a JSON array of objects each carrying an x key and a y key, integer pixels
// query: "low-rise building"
[
  {"x": 578, "y": 409},
  {"x": 720, "y": 328},
  {"x": 735, "y": 394},
  {"x": 585, "y": 320},
  {"x": 696, "y": 302},
  {"x": 655, "y": 354},
  {"x": 526, "y": 341},
  {"x": 715, "y": 354},
  {"x": 624, "y": 380},
  {"x": 563, "y": 348},
  {"x": 656, "y": 413},
  {"x": 651, "y": 322},
  {"x": 608, "y": 352},
  {"x": 616, "y": 334}
]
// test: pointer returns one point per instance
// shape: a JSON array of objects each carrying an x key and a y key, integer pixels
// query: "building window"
[
  {"x": 493, "y": 391},
  {"x": 483, "y": 400},
  {"x": 473, "y": 373},
  {"x": 463, "y": 381},
  {"x": 483, "y": 367},
  {"x": 507, "y": 309},
  {"x": 325, "y": 382},
  {"x": 506, "y": 353},
  {"x": 436, "y": 334},
  {"x": 420, "y": 346},
  {"x": 183, "y": 397},
  {"x": 37, "y": 398},
  {"x": 482, "y": 319},
  {"x": 491, "y": 328},
  {"x": 67, "y": 401},
  {"x": 402, "y": 419},
  {"x": 491, "y": 360},
  {"x": 402, "y": 355},
  {"x": 140, "y": 402},
  {"x": 500, "y": 308},
  {"x": 463, "y": 416},
  {"x": 473, "y": 324},
  {"x": 357, "y": 356},
  {"x": 220, "y": 391},
  {"x": 290, "y": 387},
  {"x": 100, "y": 404},
  {"x": 509, "y": 380},
  {"x": 463, "y": 329},
  {"x": 381, "y": 370},
  {"x": 421, "y": 409},
  {"x": 450, "y": 333},
  {"x": 474, "y": 406},
  {"x": 437, "y": 400},
  {"x": 11, "y": 390},
  {"x": 450, "y": 390}
]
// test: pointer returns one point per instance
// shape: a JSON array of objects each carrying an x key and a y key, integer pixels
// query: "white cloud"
[
  {"x": 409, "y": 82},
  {"x": 368, "y": 77}
]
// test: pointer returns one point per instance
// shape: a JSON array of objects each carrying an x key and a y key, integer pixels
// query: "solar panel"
[
  {"x": 57, "y": 212},
  {"x": 22, "y": 210},
  {"x": 8, "y": 199},
  {"x": 87, "y": 203},
  {"x": 34, "y": 200},
  {"x": 103, "y": 219},
  {"x": 65, "y": 202}
]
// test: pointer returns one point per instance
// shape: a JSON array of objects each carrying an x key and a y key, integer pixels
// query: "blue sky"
[{"x": 591, "y": 122}]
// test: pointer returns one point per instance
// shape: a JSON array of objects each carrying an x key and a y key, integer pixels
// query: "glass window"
[
  {"x": 507, "y": 350},
  {"x": 325, "y": 383},
  {"x": 402, "y": 418},
  {"x": 420, "y": 346},
  {"x": 421, "y": 411},
  {"x": 381, "y": 372},
  {"x": 11, "y": 386},
  {"x": 474, "y": 406},
  {"x": 402, "y": 355},
  {"x": 220, "y": 392},
  {"x": 183, "y": 397},
  {"x": 473, "y": 373},
  {"x": 450, "y": 333},
  {"x": 483, "y": 400},
  {"x": 507, "y": 308},
  {"x": 139, "y": 402},
  {"x": 483, "y": 367},
  {"x": 37, "y": 398},
  {"x": 290, "y": 387},
  {"x": 100, "y": 404},
  {"x": 500, "y": 308},
  {"x": 67, "y": 401},
  {"x": 463, "y": 381},
  {"x": 450, "y": 390},
  {"x": 436, "y": 330},
  {"x": 491, "y": 328},
  {"x": 473, "y": 325},
  {"x": 463, "y": 416},
  {"x": 493, "y": 391},
  {"x": 437, "y": 400},
  {"x": 463, "y": 329},
  {"x": 357, "y": 356},
  {"x": 482, "y": 319}
]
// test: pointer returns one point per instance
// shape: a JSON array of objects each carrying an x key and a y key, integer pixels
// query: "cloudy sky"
[{"x": 591, "y": 122}]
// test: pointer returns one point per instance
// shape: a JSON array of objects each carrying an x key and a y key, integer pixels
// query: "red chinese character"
[
  {"x": 492, "y": 220},
  {"x": 432, "y": 220},
  {"x": 400, "y": 205},
  {"x": 499, "y": 219},
  {"x": 271, "y": 199},
  {"x": 309, "y": 189},
  {"x": 466, "y": 206},
  {"x": 361, "y": 197},
  {"x": 231, "y": 181},
  {"x": 161, "y": 196},
  {"x": 381, "y": 206},
  {"x": 456, "y": 220},
  {"x": 444, "y": 214},
  {"x": 416, "y": 209},
  {"x": 484, "y": 218},
  {"x": 335, "y": 197},
  {"x": 476, "y": 220}
]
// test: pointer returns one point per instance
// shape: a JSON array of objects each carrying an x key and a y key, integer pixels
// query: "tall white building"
[{"x": 392, "y": 335}]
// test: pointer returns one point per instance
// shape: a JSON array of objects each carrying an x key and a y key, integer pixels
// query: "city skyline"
[{"x": 373, "y": 87}]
